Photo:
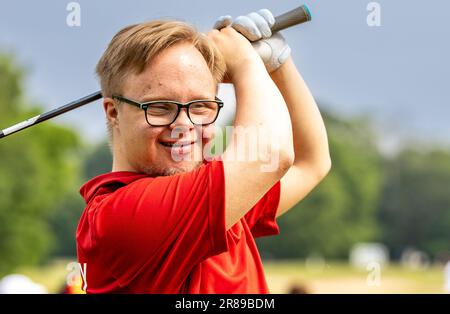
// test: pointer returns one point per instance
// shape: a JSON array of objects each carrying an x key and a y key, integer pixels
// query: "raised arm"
[
  {"x": 312, "y": 158},
  {"x": 259, "y": 104}
]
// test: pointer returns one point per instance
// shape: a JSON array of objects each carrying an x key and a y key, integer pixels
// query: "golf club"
[{"x": 296, "y": 16}]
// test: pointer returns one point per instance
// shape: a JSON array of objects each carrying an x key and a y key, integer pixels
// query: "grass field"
[
  {"x": 282, "y": 275},
  {"x": 342, "y": 278}
]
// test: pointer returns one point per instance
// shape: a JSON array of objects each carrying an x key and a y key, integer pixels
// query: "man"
[{"x": 164, "y": 221}]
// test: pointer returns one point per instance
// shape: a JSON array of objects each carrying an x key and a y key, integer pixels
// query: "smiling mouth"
[{"x": 177, "y": 144}]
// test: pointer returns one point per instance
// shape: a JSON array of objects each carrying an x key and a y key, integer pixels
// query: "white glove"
[{"x": 255, "y": 26}]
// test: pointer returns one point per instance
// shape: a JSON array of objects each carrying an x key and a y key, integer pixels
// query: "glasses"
[{"x": 165, "y": 112}]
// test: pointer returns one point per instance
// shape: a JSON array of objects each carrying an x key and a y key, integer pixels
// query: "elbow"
[
  {"x": 277, "y": 162},
  {"x": 276, "y": 159},
  {"x": 286, "y": 160},
  {"x": 317, "y": 170},
  {"x": 324, "y": 168}
]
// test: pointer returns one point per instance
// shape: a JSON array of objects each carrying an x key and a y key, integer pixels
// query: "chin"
[{"x": 170, "y": 170}]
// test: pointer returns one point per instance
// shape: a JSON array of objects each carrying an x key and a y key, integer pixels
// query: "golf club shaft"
[
  {"x": 50, "y": 114},
  {"x": 296, "y": 16}
]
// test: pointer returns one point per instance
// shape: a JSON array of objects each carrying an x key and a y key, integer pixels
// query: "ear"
[{"x": 111, "y": 111}]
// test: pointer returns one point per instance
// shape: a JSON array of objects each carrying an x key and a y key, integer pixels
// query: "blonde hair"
[{"x": 133, "y": 48}]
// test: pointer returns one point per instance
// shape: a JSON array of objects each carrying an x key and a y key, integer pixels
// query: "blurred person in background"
[{"x": 20, "y": 284}]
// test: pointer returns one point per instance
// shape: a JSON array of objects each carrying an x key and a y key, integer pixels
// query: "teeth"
[{"x": 175, "y": 144}]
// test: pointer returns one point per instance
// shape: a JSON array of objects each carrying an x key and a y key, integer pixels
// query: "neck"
[{"x": 120, "y": 163}]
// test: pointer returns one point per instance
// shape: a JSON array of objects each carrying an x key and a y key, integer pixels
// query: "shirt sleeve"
[
  {"x": 164, "y": 224},
  {"x": 261, "y": 219}
]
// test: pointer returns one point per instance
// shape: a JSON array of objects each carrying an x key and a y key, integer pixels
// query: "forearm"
[
  {"x": 259, "y": 104},
  {"x": 309, "y": 134}
]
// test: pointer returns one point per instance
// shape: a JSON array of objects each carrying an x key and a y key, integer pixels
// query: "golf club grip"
[{"x": 296, "y": 16}]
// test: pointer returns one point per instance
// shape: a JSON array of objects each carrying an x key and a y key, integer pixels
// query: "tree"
[
  {"x": 415, "y": 203},
  {"x": 341, "y": 211},
  {"x": 64, "y": 222},
  {"x": 37, "y": 167}
]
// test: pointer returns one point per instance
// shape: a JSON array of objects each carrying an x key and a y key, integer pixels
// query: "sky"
[{"x": 397, "y": 74}]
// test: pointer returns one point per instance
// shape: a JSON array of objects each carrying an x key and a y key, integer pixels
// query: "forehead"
[{"x": 179, "y": 72}]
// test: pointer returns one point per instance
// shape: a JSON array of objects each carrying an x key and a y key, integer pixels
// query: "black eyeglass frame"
[{"x": 144, "y": 106}]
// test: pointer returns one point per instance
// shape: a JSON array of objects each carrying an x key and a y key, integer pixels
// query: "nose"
[{"x": 182, "y": 121}]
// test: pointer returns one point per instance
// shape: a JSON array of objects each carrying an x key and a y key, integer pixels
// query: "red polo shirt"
[{"x": 141, "y": 234}]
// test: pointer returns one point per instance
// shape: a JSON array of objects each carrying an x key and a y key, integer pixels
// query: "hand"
[
  {"x": 236, "y": 50},
  {"x": 256, "y": 27}
]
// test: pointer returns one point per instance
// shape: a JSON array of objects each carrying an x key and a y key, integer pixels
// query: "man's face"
[{"x": 179, "y": 73}]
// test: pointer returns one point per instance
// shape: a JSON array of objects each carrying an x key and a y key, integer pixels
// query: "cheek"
[
  {"x": 144, "y": 147},
  {"x": 130, "y": 123},
  {"x": 151, "y": 136},
  {"x": 137, "y": 136},
  {"x": 208, "y": 132}
]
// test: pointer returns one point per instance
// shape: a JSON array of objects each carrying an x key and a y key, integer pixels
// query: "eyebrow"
[{"x": 148, "y": 98}]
